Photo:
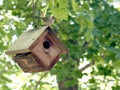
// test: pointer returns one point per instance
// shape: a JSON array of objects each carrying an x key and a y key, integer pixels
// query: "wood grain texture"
[
  {"x": 57, "y": 41},
  {"x": 31, "y": 54},
  {"x": 46, "y": 58},
  {"x": 25, "y": 40},
  {"x": 30, "y": 64}
]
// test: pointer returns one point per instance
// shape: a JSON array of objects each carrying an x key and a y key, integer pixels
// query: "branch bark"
[
  {"x": 87, "y": 66},
  {"x": 36, "y": 86}
]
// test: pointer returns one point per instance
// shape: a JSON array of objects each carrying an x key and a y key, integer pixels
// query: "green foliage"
[
  {"x": 116, "y": 88},
  {"x": 62, "y": 14},
  {"x": 74, "y": 5},
  {"x": 89, "y": 29}
]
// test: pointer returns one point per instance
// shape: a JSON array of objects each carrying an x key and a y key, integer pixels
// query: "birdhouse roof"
[{"x": 26, "y": 40}]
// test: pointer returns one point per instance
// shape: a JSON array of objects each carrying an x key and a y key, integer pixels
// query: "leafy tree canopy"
[{"x": 89, "y": 28}]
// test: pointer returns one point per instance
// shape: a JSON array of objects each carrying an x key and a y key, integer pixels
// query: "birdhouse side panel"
[
  {"x": 55, "y": 61},
  {"x": 53, "y": 51},
  {"x": 57, "y": 41}
]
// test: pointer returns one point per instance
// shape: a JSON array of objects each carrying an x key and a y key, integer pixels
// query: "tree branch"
[
  {"x": 87, "y": 66},
  {"x": 38, "y": 82}
]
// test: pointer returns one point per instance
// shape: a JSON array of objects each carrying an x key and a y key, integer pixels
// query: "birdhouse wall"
[
  {"x": 30, "y": 63},
  {"x": 58, "y": 42},
  {"x": 49, "y": 54}
]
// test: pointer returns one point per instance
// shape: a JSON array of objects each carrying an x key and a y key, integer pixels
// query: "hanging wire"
[
  {"x": 33, "y": 11},
  {"x": 36, "y": 18}
]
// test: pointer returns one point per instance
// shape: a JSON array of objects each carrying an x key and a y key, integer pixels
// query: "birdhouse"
[{"x": 37, "y": 50}]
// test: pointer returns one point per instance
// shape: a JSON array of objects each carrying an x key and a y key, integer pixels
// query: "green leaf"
[
  {"x": 116, "y": 87},
  {"x": 52, "y": 3},
  {"x": 63, "y": 4},
  {"x": 92, "y": 80},
  {"x": 74, "y": 5},
  {"x": 118, "y": 55},
  {"x": 2, "y": 32},
  {"x": 60, "y": 14},
  {"x": 89, "y": 35},
  {"x": 6, "y": 79}
]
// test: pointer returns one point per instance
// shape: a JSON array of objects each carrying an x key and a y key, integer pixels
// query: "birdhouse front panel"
[{"x": 46, "y": 50}]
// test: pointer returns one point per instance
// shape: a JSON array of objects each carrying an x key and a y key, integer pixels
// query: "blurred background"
[{"x": 90, "y": 29}]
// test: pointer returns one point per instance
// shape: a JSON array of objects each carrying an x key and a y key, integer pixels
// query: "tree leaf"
[
  {"x": 60, "y": 14},
  {"x": 74, "y": 5},
  {"x": 63, "y": 4}
]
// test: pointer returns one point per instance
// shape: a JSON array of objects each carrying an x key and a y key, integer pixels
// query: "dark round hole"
[{"x": 46, "y": 44}]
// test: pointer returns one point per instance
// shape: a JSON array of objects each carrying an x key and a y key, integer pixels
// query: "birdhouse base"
[{"x": 28, "y": 62}]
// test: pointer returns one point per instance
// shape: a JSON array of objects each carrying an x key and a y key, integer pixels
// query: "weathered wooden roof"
[{"x": 25, "y": 40}]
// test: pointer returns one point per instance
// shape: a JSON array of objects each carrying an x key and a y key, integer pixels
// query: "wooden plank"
[
  {"x": 54, "y": 50},
  {"x": 41, "y": 37},
  {"x": 40, "y": 53},
  {"x": 56, "y": 40},
  {"x": 54, "y": 61},
  {"x": 30, "y": 63},
  {"x": 25, "y": 40}
]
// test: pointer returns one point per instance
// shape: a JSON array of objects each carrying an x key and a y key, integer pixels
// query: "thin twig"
[
  {"x": 35, "y": 24},
  {"x": 33, "y": 12},
  {"x": 36, "y": 86},
  {"x": 87, "y": 66}
]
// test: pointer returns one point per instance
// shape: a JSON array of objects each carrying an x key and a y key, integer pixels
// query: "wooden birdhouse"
[{"x": 37, "y": 50}]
